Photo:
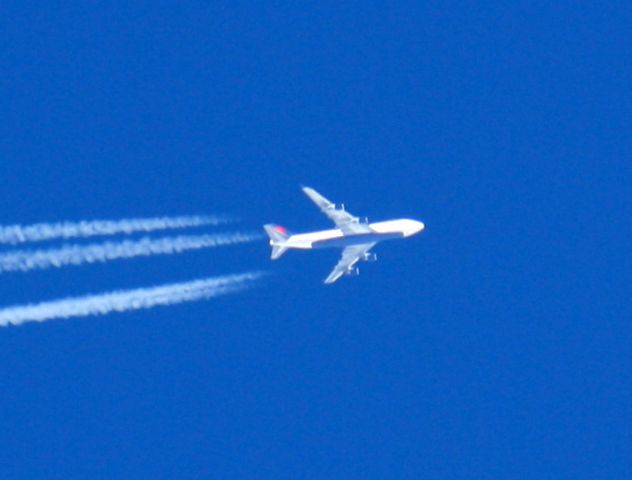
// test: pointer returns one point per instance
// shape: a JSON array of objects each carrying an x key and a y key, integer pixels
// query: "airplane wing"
[
  {"x": 343, "y": 220},
  {"x": 350, "y": 256}
]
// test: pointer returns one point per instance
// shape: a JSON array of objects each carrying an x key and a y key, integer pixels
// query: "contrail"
[
  {"x": 128, "y": 300},
  {"x": 15, "y": 234},
  {"x": 25, "y": 260}
]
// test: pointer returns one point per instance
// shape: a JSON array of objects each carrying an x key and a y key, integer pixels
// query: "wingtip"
[{"x": 331, "y": 279}]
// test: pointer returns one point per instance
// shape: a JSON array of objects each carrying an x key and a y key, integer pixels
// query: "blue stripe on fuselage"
[{"x": 357, "y": 239}]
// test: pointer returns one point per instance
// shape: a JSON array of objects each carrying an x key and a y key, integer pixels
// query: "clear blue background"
[{"x": 494, "y": 345}]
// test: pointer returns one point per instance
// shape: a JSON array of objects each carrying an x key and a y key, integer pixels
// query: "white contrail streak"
[
  {"x": 25, "y": 260},
  {"x": 127, "y": 300},
  {"x": 15, "y": 234}
]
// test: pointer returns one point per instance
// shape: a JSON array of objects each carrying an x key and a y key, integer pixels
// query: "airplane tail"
[{"x": 278, "y": 236}]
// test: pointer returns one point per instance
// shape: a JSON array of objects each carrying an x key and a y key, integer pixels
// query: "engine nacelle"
[
  {"x": 352, "y": 272},
  {"x": 370, "y": 257}
]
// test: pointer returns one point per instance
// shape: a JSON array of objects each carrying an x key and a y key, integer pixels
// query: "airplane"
[{"x": 356, "y": 237}]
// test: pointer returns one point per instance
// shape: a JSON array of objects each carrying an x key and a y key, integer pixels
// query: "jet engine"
[
  {"x": 370, "y": 257},
  {"x": 352, "y": 272}
]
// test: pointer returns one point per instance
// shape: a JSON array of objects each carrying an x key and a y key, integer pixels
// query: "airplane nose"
[
  {"x": 419, "y": 226},
  {"x": 413, "y": 227}
]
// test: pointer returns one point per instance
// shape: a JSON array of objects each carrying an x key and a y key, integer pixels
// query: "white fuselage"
[{"x": 379, "y": 231}]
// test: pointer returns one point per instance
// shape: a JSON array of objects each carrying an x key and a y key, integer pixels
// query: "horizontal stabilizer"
[{"x": 277, "y": 251}]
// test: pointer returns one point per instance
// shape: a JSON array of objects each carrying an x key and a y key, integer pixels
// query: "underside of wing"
[
  {"x": 338, "y": 215},
  {"x": 350, "y": 256}
]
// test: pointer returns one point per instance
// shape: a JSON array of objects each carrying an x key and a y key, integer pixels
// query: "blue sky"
[{"x": 496, "y": 344}]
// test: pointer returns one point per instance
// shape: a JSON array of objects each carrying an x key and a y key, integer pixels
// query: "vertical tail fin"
[{"x": 278, "y": 236}]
